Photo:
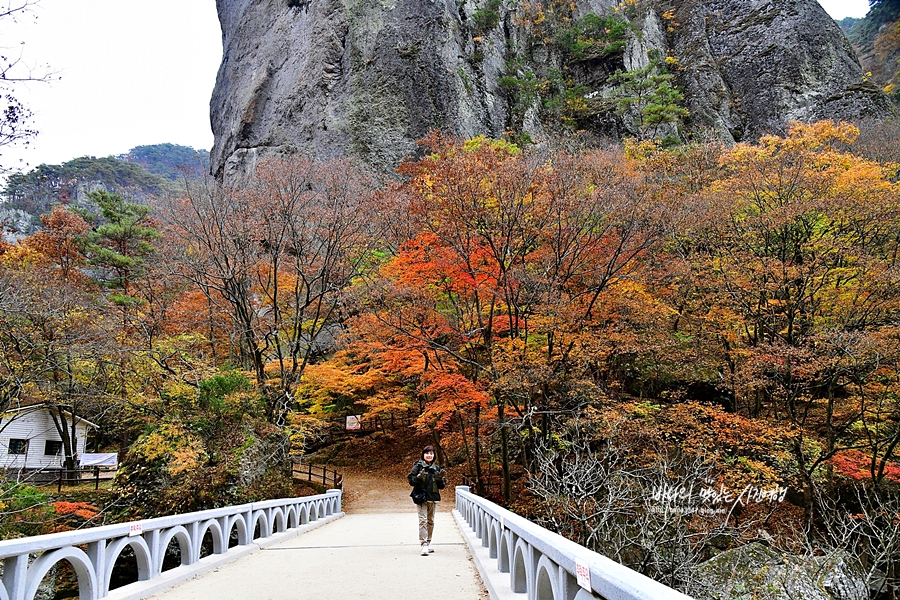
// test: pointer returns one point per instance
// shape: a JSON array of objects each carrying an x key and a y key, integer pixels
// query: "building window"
[
  {"x": 52, "y": 448},
  {"x": 18, "y": 446}
]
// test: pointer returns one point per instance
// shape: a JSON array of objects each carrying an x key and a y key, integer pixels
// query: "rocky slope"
[
  {"x": 751, "y": 66},
  {"x": 367, "y": 78},
  {"x": 876, "y": 39}
]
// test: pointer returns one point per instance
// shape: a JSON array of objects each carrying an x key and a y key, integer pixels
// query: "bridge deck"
[{"x": 369, "y": 555}]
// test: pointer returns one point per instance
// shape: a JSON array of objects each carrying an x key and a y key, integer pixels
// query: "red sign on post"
[{"x": 353, "y": 423}]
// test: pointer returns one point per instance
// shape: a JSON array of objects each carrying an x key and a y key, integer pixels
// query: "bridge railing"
[
  {"x": 92, "y": 552},
  {"x": 547, "y": 566}
]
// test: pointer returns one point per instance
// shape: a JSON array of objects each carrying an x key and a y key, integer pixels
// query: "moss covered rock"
[{"x": 758, "y": 572}]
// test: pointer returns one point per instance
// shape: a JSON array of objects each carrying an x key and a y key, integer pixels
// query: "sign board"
[
  {"x": 103, "y": 459},
  {"x": 353, "y": 423},
  {"x": 136, "y": 529},
  {"x": 583, "y": 575}
]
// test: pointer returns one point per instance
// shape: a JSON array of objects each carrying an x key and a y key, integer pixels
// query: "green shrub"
[
  {"x": 593, "y": 37},
  {"x": 485, "y": 19},
  {"x": 24, "y": 511}
]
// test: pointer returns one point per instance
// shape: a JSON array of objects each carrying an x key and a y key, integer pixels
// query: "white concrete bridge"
[{"x": 303, "y": 548}]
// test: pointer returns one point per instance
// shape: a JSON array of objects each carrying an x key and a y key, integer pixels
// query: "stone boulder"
[{"x": 758, "y": 572}]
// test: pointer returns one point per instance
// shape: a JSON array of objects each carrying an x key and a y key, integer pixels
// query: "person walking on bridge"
[{"x": 427, "y": 479}]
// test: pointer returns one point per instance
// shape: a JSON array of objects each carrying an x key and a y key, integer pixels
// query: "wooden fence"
[
  {"x": 329, "y": 478},
  {"x": 369, "y": 424},
  {"x": 336, "y": 427},
  {"x": 83, "y": 475}
]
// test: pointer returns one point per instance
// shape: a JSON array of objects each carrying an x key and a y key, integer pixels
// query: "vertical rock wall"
[{"x": 365, "y": 79}]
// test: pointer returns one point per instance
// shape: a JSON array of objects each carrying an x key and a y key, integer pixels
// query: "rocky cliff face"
[
  {"x": 751, "y": 66},
  {"x": 367, "y": 78}
]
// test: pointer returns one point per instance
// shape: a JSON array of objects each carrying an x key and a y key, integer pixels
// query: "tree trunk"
[
  {"x": 504, "y": 451},
  {"x": 479, "y": 476},
  {"x": 69, "y": 441},
  {"x": 438, "y": 450},
  {"x": 465, "y": 443}
]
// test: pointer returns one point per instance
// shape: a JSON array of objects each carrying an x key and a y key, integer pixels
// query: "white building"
[{"x": 29, "y": 439}]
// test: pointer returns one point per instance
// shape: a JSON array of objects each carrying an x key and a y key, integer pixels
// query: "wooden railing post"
[{"x": 311, "y": 473}]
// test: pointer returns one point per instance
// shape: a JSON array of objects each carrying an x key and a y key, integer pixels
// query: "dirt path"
[
  {"x": 383, "y": 491},
  {"x": 375, "y": 469}
]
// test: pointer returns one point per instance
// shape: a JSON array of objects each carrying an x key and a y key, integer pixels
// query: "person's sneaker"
[
  {"x": 430, "y": 549},
  {"x": 424, "y": 549}
]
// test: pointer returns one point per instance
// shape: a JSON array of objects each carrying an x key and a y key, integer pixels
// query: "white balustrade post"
[
  {"x": 460, "y": 501},
  {"x": 157, "y": 554},
  {"x": 267, "y": 513},
  {"x": 15, "y": 570},
  {"x": 224, "y": 523},
  {"x": 196, "y": 542},
  {"x": 248, "y": 520},
  {"x": 337, "y": 500},
  {"x": 96, "y": 552},
  {"x": 568, "y": 585}
]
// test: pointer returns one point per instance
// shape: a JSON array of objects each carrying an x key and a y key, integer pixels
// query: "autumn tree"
[
  {"x": 797, "y": 259},
  {"x": 480, "y": 208},
  {"x": 281, "y": 252},
  {"x": 513, "y": 254},
  {"x": 61, "y": 241},
  {"x": 56, "y": 344}
]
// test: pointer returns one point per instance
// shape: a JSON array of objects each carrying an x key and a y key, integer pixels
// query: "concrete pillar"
[{"x": 15, "y": 570}]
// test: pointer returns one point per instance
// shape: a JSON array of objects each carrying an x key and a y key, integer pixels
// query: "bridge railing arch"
[
  {"x": 291, "y": 517},
  {"x": 527, "y": 558},
  {"x": 142, "y": 553},
  {"x": 260, "y": 518},
  {"x": 239, "y": 524},
  {"x": 277, "y": 520},
  {"x": 150, "y": 539},
  {"x": 219, "y": 541},
  {"x": 183, "y": 537}
]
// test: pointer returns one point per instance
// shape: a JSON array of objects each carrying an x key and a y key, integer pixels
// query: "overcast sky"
[
  {"x": 838, "y": 9},
  {"x": 133, "y": 72}
]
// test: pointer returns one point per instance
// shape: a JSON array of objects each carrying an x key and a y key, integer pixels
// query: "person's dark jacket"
[{"x": 431, "y": 478}]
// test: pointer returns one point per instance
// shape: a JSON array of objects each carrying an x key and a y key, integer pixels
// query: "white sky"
[
  {"x": 133, "y": 72},
  {"x": 838, "y": 9}
]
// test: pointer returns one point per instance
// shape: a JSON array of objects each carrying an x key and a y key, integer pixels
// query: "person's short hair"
[{"x": 426, "y": 450}]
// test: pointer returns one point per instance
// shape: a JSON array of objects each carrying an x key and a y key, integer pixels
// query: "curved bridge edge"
[{"x": 145, "y": 589}]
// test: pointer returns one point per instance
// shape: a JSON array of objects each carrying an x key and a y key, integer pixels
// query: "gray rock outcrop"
[
  {"x": 751, "y": 66},
  {"x": 365, "y": 79},
  {"x": 759, "y": 572},
  {"x": 359, "y": 78}
]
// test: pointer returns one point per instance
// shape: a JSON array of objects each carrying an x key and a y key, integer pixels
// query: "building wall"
[{"x": 37, "y": 427}]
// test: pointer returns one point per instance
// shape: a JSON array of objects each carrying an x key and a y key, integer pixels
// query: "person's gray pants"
[{"x": 426, "y": 521}]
